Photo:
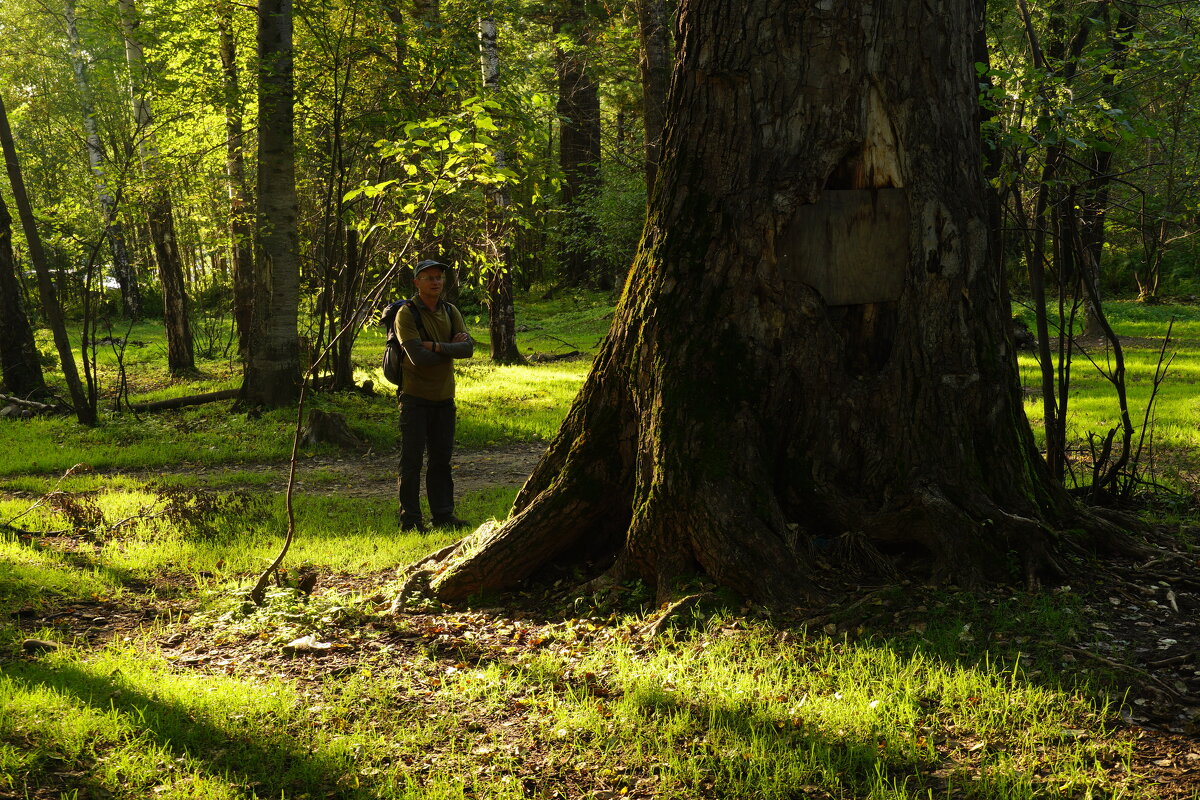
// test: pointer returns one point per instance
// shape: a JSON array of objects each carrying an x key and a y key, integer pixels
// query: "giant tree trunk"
[
  {"x": 20, "y": 370},
  {"x": 272, "y": 376},
  {"x": 811, "y": 343}
]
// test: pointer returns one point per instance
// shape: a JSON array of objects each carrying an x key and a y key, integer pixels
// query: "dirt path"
[{"x": 374, "y": 474}]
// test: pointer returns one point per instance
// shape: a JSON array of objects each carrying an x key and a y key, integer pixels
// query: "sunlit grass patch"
[
  {"x": 32, "y": 577},
  {"x": 1173, "y": 431},
  {"x": 144, "y": 527},
  {"x": 169, "y": 440},
  {"x": 515, "y": 403},
  {"x": 741, "y": 711},
  {"x": 124, "y": 724}
]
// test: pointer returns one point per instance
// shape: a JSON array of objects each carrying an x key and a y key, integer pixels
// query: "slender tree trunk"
[
  {"x": 1094, "y": 192},
  {"x": 272, "y": 376},
  {"x": 20, "y": 370},
  {"x": 811, "y": 346},
  {"x": 126, "y": 275},
  {"x": 395, "y": 12},
  {"x": 656, "y": 78},
  {"x": 160, "y": 212},
  {"x": 85, "y": 412},
  {"x": 579, "y": 146},
  {"x": 502, "y": 315},
  {"x": 345, "y": 302},
  {"x": 241, "y": 212},
  {"x": 338, "y": 256}
]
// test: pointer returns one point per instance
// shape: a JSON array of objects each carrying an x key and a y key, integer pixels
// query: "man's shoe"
[
  {"x": 452, "y": 522},
  {"x": 413, "y": 527}
]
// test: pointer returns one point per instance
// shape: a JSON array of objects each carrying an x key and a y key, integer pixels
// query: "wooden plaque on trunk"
[{"x": 851, "y": 245}]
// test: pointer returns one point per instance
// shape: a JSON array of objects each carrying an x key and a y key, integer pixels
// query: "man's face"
[{"x": 430, "y": 282}]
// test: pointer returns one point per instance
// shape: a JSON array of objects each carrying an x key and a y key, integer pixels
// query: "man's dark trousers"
[{"x": 426, "y": 425}]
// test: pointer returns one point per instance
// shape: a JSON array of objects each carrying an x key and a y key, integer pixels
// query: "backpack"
[{"x": 393, "y": 352}]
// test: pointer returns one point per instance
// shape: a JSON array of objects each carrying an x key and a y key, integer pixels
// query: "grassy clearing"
[
  {"x": 498, "y": 404},
  {"x": 918, "y": 694},
  {"x": 141, "y": 530},
  {"x": 1173, "y": 437}
]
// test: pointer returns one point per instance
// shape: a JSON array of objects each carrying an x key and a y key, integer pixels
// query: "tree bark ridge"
[{"x": 750, "y": 404}]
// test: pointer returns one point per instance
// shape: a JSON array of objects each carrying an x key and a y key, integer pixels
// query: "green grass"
[
  {"x": 1173, "y": 435},
  {"x": 221, "y": 535},
  {"x": 964, "y": 698},
  {"x": 497, "y": 404},
  {"x": 736, "y": 709}
]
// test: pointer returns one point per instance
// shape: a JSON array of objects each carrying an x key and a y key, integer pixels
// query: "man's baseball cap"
[{"x": 426, "y": 264}]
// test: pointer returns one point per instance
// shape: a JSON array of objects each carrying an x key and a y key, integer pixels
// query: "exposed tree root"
[
  {"x": 658, "y": 625},
  {"x": 746, "y": 544}
]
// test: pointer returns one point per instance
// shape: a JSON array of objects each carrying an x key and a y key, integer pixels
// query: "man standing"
[{"x": 432, "y": 333}]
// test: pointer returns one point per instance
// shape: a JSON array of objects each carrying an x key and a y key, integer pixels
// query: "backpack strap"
[
  {"x": 416, "y": 312},
  {"x": 454, "y": 314},
  {"x": 451, "y": 312}
]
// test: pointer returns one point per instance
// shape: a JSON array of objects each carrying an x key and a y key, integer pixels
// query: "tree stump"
[{"x": 327, "y": 427}]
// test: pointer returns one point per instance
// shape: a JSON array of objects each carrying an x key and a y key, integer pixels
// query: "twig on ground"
[
  {"x": 555, "y": 338},
  {"x": 1165, "y": 687}
]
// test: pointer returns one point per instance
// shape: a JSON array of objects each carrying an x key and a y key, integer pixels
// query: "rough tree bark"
[
  {"x": 20, "y": 370},
  {"x": 272, "y": 376},
  {"x": 811, "y": 343}
]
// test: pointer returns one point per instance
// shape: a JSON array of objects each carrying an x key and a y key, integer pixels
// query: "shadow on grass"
[
  {"x": 68, "y": 577},
  {"x": 271, "y": 765}
]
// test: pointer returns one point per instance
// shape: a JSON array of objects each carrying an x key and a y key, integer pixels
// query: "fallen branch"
[
  {"x": 41, "y": 408},
  {"x": 181, "y": 402}
]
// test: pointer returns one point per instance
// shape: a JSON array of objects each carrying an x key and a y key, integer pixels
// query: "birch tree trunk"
[
  {"x": 272, "y": 376},
  {"x": 126, "y": 275},
  {"x": 811, "y": 346}
]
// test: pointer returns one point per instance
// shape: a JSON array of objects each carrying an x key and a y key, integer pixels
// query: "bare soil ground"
[{"x": 373, "y": 474}]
